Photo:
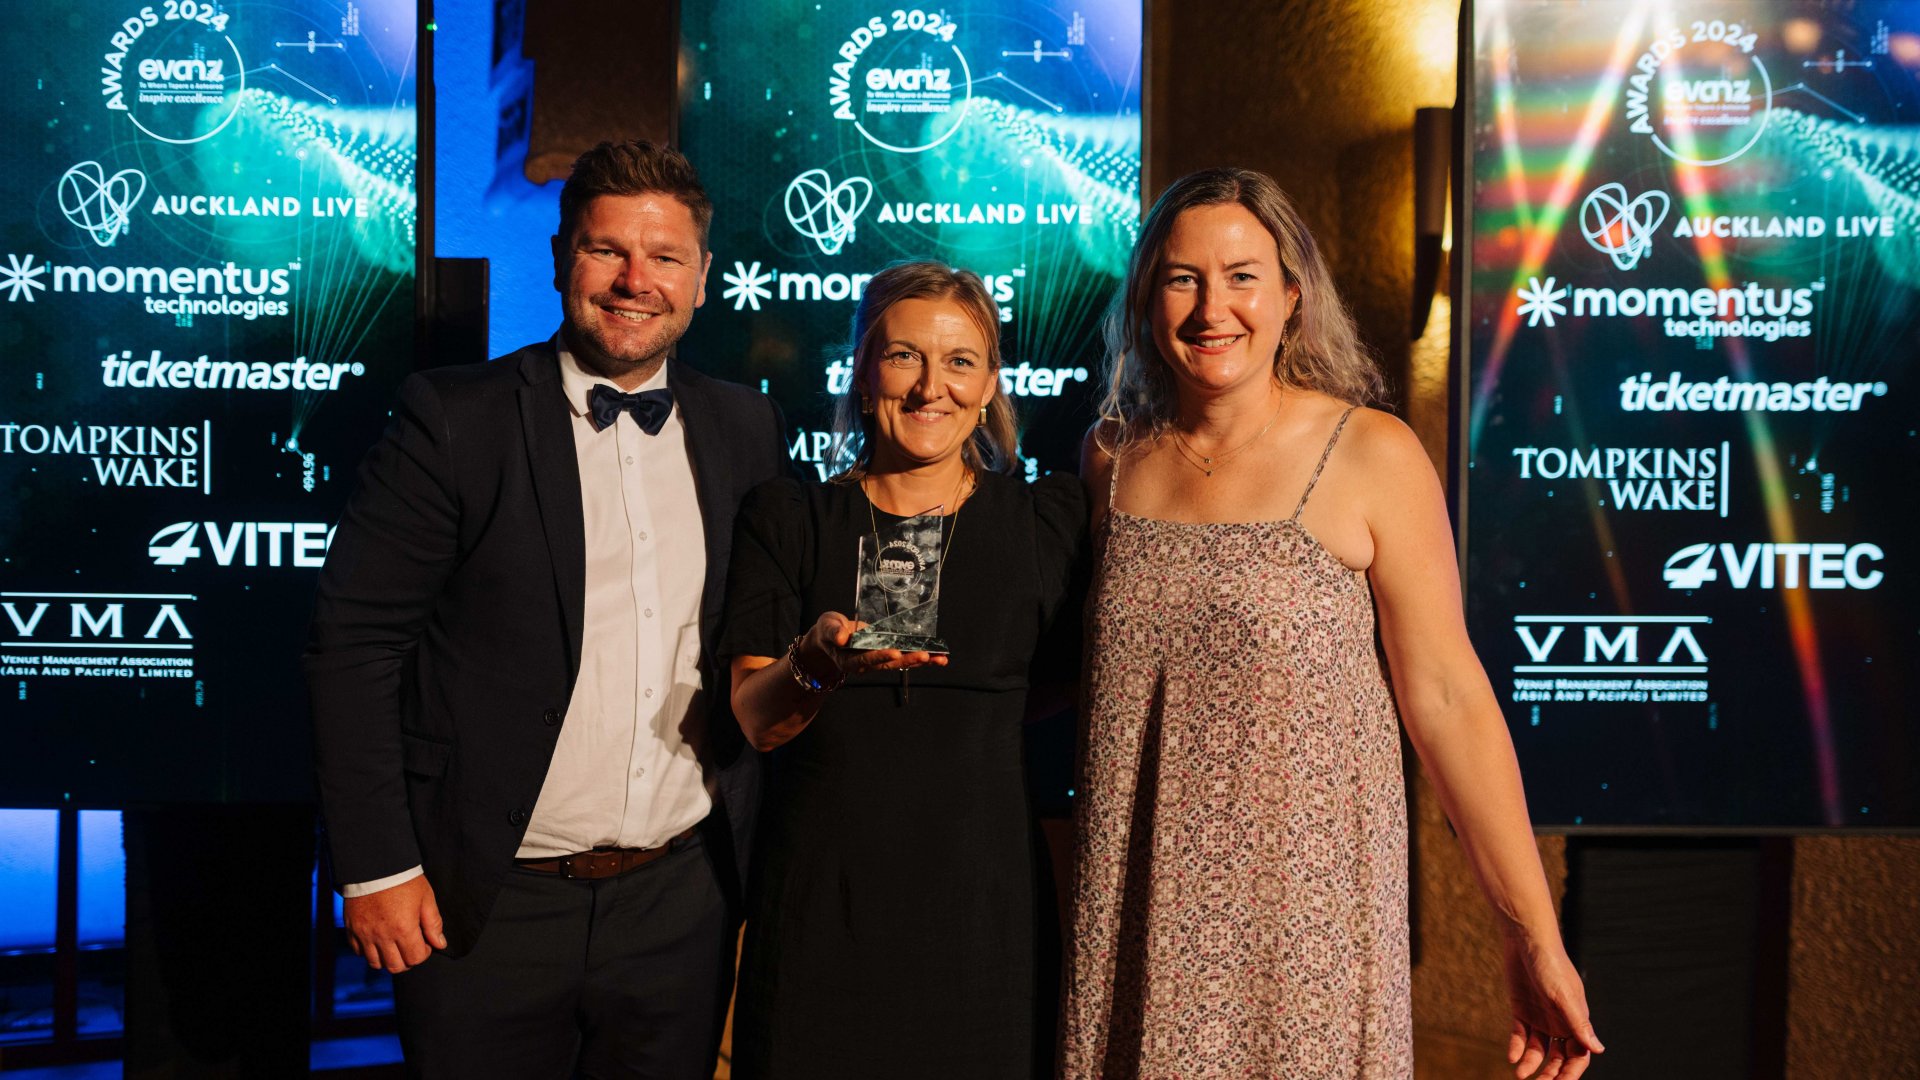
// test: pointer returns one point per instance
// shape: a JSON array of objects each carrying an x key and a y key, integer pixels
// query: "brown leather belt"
[{"x": 605, "y": 862}]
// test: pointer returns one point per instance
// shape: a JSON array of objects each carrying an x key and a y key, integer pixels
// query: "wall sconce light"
[{"x": 1432, "y": 165}]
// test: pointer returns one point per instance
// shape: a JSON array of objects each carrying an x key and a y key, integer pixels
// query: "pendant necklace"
[
  {"x": 1208, "y": 463},
  {"x": 960, "y": 491}
]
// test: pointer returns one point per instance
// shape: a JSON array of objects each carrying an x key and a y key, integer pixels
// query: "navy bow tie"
[{"x": 650, "y": 408}]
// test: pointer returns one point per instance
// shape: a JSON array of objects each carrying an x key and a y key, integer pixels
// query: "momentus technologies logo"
[
  {"x": 1746, "y": 311},
  {"x": 1641, "y": 393},
  {"x": 1828, "y": 566},
  {"x": 153, "y": 373},
  {"x": 748, "y": 286},
  {"x": 1639, "y": 478},
  {"x": 243, "y": 543},
  {"x": 237, "y": 290},
  {"x": 125, "y": 456}
]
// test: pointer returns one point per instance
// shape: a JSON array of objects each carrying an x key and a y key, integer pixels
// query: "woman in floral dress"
[{"x": 1240, "y": 877}]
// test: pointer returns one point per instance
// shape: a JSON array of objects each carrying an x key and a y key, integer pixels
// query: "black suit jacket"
[{"x": 447, "y": 628}]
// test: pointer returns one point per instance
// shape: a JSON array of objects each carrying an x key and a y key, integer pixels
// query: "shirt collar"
[{"x": 578, "y": 382}]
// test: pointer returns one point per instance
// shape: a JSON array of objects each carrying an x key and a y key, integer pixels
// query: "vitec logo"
[
  {"x": 1827, "y": 566},
  {"x": 240, "y": 291},
  {"x": 1620, "y": 227},
  {"x": 243, "y": 543},
  {"x": 825, "y": 212},
  {"x": 100, "y": 205}
]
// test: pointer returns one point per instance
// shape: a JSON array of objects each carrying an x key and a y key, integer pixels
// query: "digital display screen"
[
  {"x": 207, "y": 286},
  {"x": 836, "y": 137},
  {"x": 1691, "y": 324}
]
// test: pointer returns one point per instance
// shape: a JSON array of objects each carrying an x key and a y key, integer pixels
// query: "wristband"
[{"x": 807, "y": 682}]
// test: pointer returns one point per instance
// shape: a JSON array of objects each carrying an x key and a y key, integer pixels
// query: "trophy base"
[{"x": 868, "y": 638}]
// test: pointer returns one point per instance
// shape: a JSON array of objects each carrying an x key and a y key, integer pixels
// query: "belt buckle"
[{"x": 588, "y": 872}]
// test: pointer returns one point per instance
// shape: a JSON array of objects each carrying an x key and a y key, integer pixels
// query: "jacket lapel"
[
  {"x": 706, "y": 449},
  {"x": 555, "y": 466}
]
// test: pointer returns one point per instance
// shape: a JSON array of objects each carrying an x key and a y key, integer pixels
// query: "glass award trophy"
[{"x": 897, "y": 590}]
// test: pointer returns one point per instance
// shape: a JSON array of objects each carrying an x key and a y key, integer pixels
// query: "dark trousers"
[{"x": 622, "y": 977}]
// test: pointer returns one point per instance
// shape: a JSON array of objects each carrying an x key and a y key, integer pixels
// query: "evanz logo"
[
  {"x": 1767, "y": 566},
  {"x": 918, "y": 80},
  {"x": 242, "y": 543},
  {"x": 1710, "y": 91},
  {"x": 183, "y": 70}
]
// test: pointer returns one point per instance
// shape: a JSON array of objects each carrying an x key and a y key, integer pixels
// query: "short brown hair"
[
  {"x": 633, "y": 168},
  {"x": 994, "y": 446}
]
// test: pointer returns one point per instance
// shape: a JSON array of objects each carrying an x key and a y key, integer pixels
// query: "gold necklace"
[
  {"x": 1207, "y": 464},
  {"x": 960, "y": 491}
]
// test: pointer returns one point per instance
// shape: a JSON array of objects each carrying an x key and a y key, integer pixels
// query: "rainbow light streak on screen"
[{"x": 1692, "y": 314}]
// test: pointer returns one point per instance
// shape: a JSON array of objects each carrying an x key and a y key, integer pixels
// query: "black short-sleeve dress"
[{"x": 899, "y": 901}]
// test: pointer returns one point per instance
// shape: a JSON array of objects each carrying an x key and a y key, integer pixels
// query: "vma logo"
[
  {"x": 1619, "y": 227},
  {"x": 83, "y": 621},
  {"x": 1611, "y": 644}
]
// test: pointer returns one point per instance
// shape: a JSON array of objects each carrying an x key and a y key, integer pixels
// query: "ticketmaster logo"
[{"x": 153, "y": 373}]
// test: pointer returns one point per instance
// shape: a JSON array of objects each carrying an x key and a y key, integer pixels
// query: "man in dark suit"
[{"x": 535, "y": 798}]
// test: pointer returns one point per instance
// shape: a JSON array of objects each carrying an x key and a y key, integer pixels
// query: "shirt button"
[
  {"x": 517, "y": 817},
  {"x": 649, "y": 691},
  {"x": 643, "y": 536},
  {"x": 551, "y": 717},
  {"x": 648, "y": 612},
  {"x": 638, "y": 773},
  {"x": 629, "y": 459}
]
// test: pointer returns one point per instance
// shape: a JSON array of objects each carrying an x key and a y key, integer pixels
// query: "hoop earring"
[{"x": 983, "y": 414}]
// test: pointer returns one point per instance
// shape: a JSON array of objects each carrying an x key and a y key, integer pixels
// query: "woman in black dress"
[{"x": 898, "y": 906}]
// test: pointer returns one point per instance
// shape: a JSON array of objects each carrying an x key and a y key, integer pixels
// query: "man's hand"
[{"x": 394, "y": 927}]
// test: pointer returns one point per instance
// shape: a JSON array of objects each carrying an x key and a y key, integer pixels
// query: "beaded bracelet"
[{"x": 807, "y": 682}]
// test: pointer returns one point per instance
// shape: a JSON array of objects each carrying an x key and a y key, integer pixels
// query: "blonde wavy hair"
[
  {"x": 1322, "y": 349},
  {"x": 994, "y": 444}
]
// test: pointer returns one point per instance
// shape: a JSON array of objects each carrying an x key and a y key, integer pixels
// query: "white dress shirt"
[{"x": 625, "y": 772}]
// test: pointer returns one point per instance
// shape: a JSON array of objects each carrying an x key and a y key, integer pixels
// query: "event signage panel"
[
  {"x": 1693, "y": 311},
  {"x": 206, "y": 302},
  {"x": 837, "y": 137}
]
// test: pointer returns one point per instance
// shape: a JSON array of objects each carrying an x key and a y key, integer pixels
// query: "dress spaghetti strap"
[{"x": 1324, "y": 455}]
